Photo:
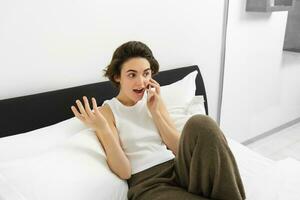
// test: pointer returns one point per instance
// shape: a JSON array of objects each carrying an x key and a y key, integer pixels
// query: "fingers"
[
  {"x": 87, "y": 107},
  {"x": 76, "y": 113},
  {"x": 84, "y": 111},
  {"x": 151, "y": 93},
  {"x": 95, "y": 107},
  {"x": 154, "y": 81},
  {"x": 81, "y": 108},
  {"x": 155, "y": 84}
]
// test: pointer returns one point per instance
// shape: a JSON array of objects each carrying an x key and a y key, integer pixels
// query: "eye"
[
  {"x": 131, "y": 75},
  {"x": 147, "y": 73}
]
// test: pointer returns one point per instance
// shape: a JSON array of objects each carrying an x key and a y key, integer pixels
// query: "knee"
[
  {"x": 201, "y": 121},
  {"x": 201, "y": 125}
]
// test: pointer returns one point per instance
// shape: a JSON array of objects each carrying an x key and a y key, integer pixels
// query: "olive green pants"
[{"x": 204, "y": 168}]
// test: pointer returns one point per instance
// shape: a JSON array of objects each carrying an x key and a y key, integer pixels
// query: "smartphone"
[{"x": 151, "y": 88}]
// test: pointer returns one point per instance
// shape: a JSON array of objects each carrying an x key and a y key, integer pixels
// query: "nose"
[{"x": 142, "y": 81}]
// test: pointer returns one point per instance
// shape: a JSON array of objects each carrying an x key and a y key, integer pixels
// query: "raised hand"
[
  {"x": 153, "y": 99},
  {"x": 91, "y": 118}
]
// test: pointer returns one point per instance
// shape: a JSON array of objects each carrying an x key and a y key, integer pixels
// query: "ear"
[{"x": 117, "y": 78}]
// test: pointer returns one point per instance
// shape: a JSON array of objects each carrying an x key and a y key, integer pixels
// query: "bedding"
[
  {"x": 76, "y": 168},
  {"x": 264, "y": 178},
  {"x": 37, "y": 141},
  {"x": 180, "y": 93},
  {"x": 288, "y": 171},
  {"x": 8, "y": 192},
  {"x": 180, "y": 114}
]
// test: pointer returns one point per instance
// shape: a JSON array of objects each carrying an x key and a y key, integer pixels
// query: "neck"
[{"x": 125, "y": 100}]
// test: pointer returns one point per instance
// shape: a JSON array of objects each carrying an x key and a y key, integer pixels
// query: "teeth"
[{"x": 138, "y": 90}]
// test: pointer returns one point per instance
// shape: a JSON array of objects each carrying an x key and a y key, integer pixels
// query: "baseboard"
[{"x": 272, "y": 131}]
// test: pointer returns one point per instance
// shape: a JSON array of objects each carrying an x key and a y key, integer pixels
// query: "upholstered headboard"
[{"x": 26, "y": 113}]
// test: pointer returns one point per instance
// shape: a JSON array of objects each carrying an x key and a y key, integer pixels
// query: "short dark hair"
[{"x": 131, "y": 49}]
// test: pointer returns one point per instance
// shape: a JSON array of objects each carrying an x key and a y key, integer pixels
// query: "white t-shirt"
[{"x": 138, "y": 134}]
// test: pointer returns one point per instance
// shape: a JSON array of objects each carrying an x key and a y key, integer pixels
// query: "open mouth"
[{"x": 139, "y": 91}]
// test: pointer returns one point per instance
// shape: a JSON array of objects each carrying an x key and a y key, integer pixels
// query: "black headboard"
[{"x": 26, "y": 113}]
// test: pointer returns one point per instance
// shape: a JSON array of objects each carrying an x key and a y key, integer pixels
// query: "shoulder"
[
  {"x": 106, "y": 111},
  {"x": 108, "y": 115}
]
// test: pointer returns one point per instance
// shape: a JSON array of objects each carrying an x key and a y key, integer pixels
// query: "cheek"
[{"x": 127, "y": 84}]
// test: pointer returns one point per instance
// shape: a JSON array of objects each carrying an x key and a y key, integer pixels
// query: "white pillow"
[
  {"x": 39, "y": 140},
  {"x": 8, "y": 192},
  {"x": 180, "y": 115},
  {"x": 74, "y": 170},
  {"x": 180, "y": 93}
]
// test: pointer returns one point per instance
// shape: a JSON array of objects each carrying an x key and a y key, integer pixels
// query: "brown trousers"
[{"x": 204, "y": 168}]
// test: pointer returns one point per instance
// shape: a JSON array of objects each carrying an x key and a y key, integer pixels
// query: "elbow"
[
  {"x": 125, "y": 176},
  {"x": 173, "y": 149},
  {"x": 125, "y": 173}
]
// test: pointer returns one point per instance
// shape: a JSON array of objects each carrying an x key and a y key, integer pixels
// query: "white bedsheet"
[{"x": 264, "y": 178}]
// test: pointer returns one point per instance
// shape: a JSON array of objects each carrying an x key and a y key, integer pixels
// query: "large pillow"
[
  {"x": 8, "y": 192},
  {"x": 74, "y": 170},
  {"x": 180, "y": 93},
  {"x": 180, "y": 114},
  {"x": 39, "y": 140}
]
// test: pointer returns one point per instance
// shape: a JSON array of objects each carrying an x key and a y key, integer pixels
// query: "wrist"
[
  {"x": 103, "y": 130},
  {"x": 156, "y": 113}
]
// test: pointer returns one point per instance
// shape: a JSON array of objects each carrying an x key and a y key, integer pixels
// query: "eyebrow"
[{"x": 131, "y": 70}]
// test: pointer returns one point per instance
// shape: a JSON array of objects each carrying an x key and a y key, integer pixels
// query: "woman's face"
[{"x": 134, "y": 78}]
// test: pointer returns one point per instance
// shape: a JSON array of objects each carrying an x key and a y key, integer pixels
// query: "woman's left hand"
[{"x": 153, "y": 98}]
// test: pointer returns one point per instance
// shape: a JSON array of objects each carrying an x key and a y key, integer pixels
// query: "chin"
[{"x": 137, "y": 98}]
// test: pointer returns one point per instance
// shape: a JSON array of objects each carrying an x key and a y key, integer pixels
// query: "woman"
[{"x": 142, "y": 144}]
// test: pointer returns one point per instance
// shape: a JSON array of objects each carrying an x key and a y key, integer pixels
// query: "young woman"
[{"x": 142, "y": 144}]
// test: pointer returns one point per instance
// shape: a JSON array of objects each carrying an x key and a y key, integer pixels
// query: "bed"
[{"x": 46, "y": 153}]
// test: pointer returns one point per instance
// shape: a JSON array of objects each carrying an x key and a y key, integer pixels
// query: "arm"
[
  {"x": 109, "y": 138},
  {"x": 101, "y": 123},
  {"x": 167, "y": 129},
  {"x": 116, "y": 159},
  {"x": 162, "y": 119}
]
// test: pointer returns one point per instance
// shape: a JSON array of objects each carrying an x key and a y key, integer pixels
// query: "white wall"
[
  {"x": 260, "y": 91},
  {"x": 48, "y": 45}
]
